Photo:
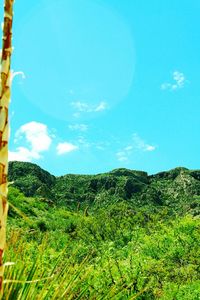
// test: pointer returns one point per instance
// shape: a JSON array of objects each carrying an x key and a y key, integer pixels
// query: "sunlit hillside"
[{"x": 118, "y": 235}]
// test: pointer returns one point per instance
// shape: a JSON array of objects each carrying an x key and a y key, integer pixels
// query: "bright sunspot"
[{"x": 76, "y": 52}]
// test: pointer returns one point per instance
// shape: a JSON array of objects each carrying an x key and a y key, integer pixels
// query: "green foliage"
[
  {"x": 94, "y": 244},
  {"x": 30, "y": 179},
  {"x": 174, "y": 189}
]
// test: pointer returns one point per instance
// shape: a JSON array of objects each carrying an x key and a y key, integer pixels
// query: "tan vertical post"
[{"x": 5, "y": 83}]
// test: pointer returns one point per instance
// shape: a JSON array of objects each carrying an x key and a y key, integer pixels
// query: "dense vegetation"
[{"x": 118, "y": 235}]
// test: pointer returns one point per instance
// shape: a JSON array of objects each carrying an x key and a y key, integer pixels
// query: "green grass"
[{"x": 112, "y": 252}]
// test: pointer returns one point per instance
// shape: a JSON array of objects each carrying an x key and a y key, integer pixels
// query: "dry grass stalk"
[{"x": 5, "y": 83}]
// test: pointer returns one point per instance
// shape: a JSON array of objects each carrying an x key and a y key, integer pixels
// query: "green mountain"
[
  {"x": 178, "y": 188},
  {"x": 120, "y": 235}
]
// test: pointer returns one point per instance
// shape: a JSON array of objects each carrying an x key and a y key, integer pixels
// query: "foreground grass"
[{"x": 113, "y": 252}]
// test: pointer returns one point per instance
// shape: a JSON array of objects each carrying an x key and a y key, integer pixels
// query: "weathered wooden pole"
[{"x": 5, "y": 83}]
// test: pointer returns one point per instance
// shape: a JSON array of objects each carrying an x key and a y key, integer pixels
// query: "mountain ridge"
[
  {"x": 113, "y": 171},
  {"x": 130, "y": 225},
  {"x": 174, "y": 188}
]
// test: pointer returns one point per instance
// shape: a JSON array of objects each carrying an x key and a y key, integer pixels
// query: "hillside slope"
[
  {"x": 178, "y": 188},
  {"x": 120, "y": 235}
]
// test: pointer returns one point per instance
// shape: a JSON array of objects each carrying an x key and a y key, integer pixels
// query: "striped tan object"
[{"x": 4, "y": 126}]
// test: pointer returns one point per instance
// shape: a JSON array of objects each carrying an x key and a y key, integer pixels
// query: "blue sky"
[{"x": 103, "y": 84}]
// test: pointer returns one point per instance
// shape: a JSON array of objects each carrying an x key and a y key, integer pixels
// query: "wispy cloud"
[
  {"x": 14, "y": 74},
  {"x": 78, "y": 127},
  {"x": 83, "y": 142},
  {"x": 84, "y": 107},
  {"x": 86, "y": 143},
  {"x": 136, "y": 144},
  {"x": 122, "y": 156},
  {"x": 140, "y": 144},
  {"x": 66, "y": 147},
  {"x": 37, "y": 137},
  {"x": 101, "y": 106},
  {"x": 178, "y": 82}
]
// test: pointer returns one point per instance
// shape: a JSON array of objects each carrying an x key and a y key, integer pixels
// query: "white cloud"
[
  {"x": 128, "y": 148},
  {"x": 150, "y": 148},
  {"x": 122, "y": 156},
  {"x": 137, "y": 143},
  {"x": 14, "y": 74},
  {"x": 102, "y": 145},
  {"x": 83, "y": 142},
  {"x": 37, "y": 136},
  {"x": 99, "y": 147},
  {"x": 140, "y": 144},
  {"x": 76, "y": 115},
  {"x": 101, "y": 107},
  {"x": 83, "y": 107},
  {"x": 178, "y": 82},
  {"x": 22, "y": 154},
  {"x": 65, "y": 147},
  {"x": 79, "y": 127}
]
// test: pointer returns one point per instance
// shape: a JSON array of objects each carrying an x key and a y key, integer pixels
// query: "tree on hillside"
[{"x": 5, "y": 82}]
